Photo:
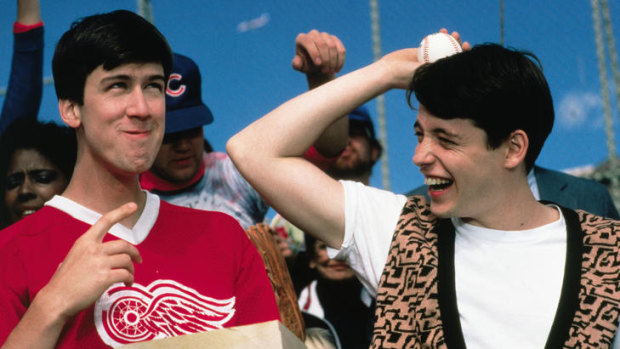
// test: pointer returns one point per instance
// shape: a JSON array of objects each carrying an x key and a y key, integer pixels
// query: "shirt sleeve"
[
  {"x": 371, "y": 216},
  {"x": 25, "y": 89}
]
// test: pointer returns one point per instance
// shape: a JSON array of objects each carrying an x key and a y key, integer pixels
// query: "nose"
[
  {"x": 138, "y": 106},
  {"x": 423, "y": 155},
  {"x": 25, "y": 191},
  {"x": 181, "y": 145}
]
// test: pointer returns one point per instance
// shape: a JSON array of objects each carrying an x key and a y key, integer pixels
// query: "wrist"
[
  {"x": 318, "y": 79},
  {"x": 50, "y": 308},
  {"x": 22, "y": 27}
]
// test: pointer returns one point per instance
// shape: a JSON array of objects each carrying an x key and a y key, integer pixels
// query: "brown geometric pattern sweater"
[{"x": 416, "y": 299}]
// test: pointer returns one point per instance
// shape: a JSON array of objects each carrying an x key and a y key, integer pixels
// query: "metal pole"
[
  {"x": 376, "y": 48},
  {"x": 612, "y": 170},
  {"x": 501, "y": 22},
  {"x": 145, "y": 10},
  {"x": 611, "y": 46}
]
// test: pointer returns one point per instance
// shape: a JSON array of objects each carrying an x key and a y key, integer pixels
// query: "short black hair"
[
  {"x": 54, "y": 142},
  {"x": 500, "y": 89},
  {"x": 110, "y": 39}
]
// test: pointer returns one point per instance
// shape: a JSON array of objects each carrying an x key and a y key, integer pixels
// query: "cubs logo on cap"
[{"x": 184, "y": 107}]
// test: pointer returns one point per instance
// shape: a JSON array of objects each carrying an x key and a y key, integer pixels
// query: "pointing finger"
[{"x": 103, "y": 225}]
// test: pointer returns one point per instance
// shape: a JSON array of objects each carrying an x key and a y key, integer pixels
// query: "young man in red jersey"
[{"x": 147, "y": 269}]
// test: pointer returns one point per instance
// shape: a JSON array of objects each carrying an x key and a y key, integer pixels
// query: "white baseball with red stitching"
[{"x": 436, "y": 46}]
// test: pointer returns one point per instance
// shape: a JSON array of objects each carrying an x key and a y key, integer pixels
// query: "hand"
[
  {"x": 91, "y": 266},
  {"x": 318, "y": 54},
  {"x": 464, "y": 45},
  {"x": 400, "y": 66}
]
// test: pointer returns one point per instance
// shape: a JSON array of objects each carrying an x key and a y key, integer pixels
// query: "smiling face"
[
  {"x": 462, "y": 173},
  {"x": 329, "y": 269},
  {"x": 31, "y": 181},
  {"x": 120, "y": 125}
]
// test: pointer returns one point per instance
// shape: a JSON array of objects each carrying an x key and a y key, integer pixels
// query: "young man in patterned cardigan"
[{"x": 484, "y": 264}]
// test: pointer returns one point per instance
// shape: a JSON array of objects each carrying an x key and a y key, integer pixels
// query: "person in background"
[
  {"x": 36, "y": 163},
  {"x": 563, "y": 189},
  {"x": 335, "y": 295},
  {"x": 21, "y": 106},
  {"x": 484, "y": 264},
  {"x": 72, "y": 275},
  {"x": 186, "y": 175}
]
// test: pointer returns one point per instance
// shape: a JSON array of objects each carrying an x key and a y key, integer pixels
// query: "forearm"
[
  {"x": 333, "y": 140},
  {"x": 294, "y": 126},
  {"x": 25, "y": 88},
  {"x": 38, "y": 328},
  {"x": 28, "y": 12},
  {"x": 267, "y": 153}
]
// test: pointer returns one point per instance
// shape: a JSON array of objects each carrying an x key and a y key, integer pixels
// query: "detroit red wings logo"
[{"x": 163, "y": 309}]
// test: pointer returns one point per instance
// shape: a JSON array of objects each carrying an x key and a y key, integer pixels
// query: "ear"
[
  {"x": 516, "y": 148},
  {"x": 69, "y": 113},
  {"x": 374, "y": 154}
]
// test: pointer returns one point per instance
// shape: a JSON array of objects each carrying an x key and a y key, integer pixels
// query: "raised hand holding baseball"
[{"x": 439, "y": 45}]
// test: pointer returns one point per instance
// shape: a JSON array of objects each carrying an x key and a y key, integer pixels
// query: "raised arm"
[
  {"x": 268, "y": 152},
  {"x": 23, "y": 96},
  {"x": 320, "y": 56}
]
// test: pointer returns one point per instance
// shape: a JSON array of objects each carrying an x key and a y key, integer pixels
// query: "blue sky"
[{"x": 244, "y": 49}]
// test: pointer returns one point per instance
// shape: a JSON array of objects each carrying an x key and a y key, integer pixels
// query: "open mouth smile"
[{"x": 437, "y": 184}]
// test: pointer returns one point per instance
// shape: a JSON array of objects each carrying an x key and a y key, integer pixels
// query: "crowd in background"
[{"x": 37, "y": 162}]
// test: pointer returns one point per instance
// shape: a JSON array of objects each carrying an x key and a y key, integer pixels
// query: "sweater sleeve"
[{"x": 25, "y": 88}]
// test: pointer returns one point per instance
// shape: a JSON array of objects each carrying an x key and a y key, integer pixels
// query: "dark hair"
[
  {"x": 110, "y": 39},
  {"x": 500, "y": 89},
  {"x": 54, "y": 142}
]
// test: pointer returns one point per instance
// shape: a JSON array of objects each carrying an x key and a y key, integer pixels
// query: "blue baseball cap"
[
  {"x": 361, "y": 116},
  {"x": 184, "y": 107}
]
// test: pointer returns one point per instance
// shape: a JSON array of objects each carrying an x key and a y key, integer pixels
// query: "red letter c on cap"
[{"x": 179, "y": 91}]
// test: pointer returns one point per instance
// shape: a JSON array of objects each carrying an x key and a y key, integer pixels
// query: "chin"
[{"x": 439, "y": 211}]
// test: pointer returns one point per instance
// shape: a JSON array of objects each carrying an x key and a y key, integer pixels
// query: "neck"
[
  {"x": 515, "y": 209},
  {"x": 102, "y": 191}
]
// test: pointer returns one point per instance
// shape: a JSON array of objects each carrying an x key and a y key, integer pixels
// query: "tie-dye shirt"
[{"x": 221, "y": 188}]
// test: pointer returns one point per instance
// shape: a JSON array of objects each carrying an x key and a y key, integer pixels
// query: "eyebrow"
[
  {"x": 126, "y": 77},
  {"x": 438, "y": 130}
]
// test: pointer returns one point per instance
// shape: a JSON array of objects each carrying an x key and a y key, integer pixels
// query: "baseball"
[{"x": 436, "y": 46}]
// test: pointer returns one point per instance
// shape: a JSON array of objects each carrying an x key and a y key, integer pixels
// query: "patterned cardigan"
[{"x": 416, "y": 300}]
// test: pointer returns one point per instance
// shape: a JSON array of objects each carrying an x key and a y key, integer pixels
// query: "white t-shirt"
[{"x": 508, "y": 283}]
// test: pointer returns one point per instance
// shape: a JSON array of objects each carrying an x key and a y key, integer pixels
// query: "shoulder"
[
  {"x": 573, "y": 181},
  {"x": 203, "y": 223},
  {"x": 593, "y": 226},
  {"x": 38, "y": 223},
  {"x": 178, "y": 213}
]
